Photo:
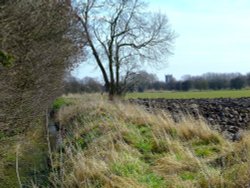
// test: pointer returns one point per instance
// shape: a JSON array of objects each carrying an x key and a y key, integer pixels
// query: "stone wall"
[{"x": 225, "y": 114}]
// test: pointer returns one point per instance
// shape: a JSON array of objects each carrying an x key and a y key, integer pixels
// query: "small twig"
[
  {"x": 17, "y": 171},
  {"x": 61, "y": 156},
  {"x": 48, "y": 140}
]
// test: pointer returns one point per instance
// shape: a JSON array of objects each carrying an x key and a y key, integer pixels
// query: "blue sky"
[{"x": 213, "y": 36}]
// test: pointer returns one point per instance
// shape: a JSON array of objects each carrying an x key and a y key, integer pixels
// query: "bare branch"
[{"x": 121, "y": 32}]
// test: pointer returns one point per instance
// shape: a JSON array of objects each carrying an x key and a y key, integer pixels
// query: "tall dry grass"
[{"x": 116, "y": 144}]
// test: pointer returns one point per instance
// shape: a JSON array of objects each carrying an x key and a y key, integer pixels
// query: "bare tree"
[
  {"x": 43, "y": 40},
  {"x": 139, "y": 81},
  {"x": 121, "y": 35},
  {"x": 85, "y": 85}
]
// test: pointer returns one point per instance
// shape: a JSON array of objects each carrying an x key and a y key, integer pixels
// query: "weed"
[
  {"x": 200, "y": 142},
  {"x": 2, "y": 135},
  {"x": 88, "y": 137},
  {"x": 152, "y": 180},
  {"x": 128, "y": 169},
  {"x": 59, "y": 102},
  {"x": 140, "y": 138},
  {"x": 206, "y": 151},
  {"x": 186, "y": 175}
]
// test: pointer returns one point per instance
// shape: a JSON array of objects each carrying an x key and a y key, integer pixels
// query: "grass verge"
[{"x": 112, "y": 144}]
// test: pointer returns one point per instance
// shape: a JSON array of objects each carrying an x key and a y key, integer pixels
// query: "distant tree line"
[
  {"x": 85, "y": 85},
  {"x": 211, "y": 81},
  {"x": 142, "y": 80}
]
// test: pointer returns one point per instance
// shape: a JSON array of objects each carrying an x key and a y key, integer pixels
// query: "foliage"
[
  {"x": 237, "y": 83},
  {"x": 5, "y": 59},
  {"x": 59, "y": 103},
  {"x": 43, "y": 38}
]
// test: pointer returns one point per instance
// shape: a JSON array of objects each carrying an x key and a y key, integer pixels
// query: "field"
[{"x": 192, "y": 94}]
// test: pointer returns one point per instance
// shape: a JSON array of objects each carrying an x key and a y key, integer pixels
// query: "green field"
[{"x": 191, "y": 94}]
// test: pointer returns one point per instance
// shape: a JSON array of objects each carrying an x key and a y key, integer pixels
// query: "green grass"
[
  {"x": 206, "y": 151},
  {"x": 140, "y": 137},
  {"x": 140, "y": 172},
  {"x": 59, "y": 102},
  {"x": 186, "y": 175},
  {"x": 192, "y": 94}
]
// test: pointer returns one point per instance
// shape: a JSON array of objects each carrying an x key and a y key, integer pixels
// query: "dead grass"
[{"x": 114, "y": 144}]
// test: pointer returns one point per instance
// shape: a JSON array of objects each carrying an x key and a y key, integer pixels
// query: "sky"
[{"x": 213, "y": 36}]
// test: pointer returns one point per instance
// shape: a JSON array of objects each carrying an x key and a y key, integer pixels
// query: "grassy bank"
[
  {"x": 192, "y": 94},
  {"x": 121, "y": 145}
]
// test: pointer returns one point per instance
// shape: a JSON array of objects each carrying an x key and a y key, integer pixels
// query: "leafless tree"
[
  {"x": 85, "y": 85},
  {"x": 122, "y": 35},
  {"x": 138, "y": 81},
  {"x": 44, "y": 41}
]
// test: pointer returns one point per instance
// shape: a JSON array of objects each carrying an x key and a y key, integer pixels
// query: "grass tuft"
[{"x": 60, "y": 102}]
